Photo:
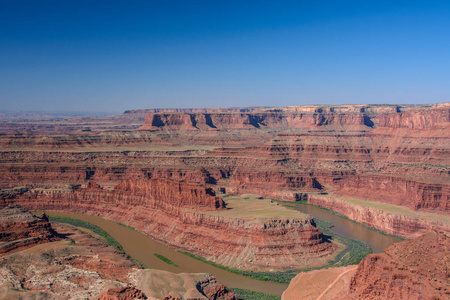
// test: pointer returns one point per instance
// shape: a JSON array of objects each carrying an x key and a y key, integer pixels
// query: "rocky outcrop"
[
  {"x": 159, "y": 284},
  {"x": 123, "y": 293},
  {"x": 81, "y": 266},
  {"x": 393, "y": 223},
  {"x": 20, "y": 229},
  {"x": 414, "y": 269}
]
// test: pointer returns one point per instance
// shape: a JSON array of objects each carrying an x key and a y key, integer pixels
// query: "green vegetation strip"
[
  {"x": 95, "y": 229},
  {"x": 252, "y": 295},
  {"x": 354, "y": 250},
  {"x": 126, "y": 226},
  {"x": 165, "y": 259}
]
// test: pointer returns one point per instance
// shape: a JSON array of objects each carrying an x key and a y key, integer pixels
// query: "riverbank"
[
  {"x": 141, "y": 247},
  {"x": 352, "y": 252}
]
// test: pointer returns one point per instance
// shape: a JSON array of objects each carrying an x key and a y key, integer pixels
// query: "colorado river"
[
  {"x": 377, "y": 241},
  {"x": 142, "y": 248}
]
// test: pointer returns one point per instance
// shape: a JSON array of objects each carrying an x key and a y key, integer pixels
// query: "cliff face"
[
  {"x": 434, "y": 117},
  {"x": 399, "y": 191},
  {"x": 415, "y": 269},
  {"x": 20, "y": 229},
  {"x": 159, "y": 192},
  {"x": 430, "y": 119},
  {"x": 392, "y": 223},
  {"x": 234, "y": 120},
  {"x": 170, "y": 212}
]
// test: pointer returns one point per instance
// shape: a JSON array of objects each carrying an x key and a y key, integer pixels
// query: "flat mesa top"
[{"x": 253, "y": 206}]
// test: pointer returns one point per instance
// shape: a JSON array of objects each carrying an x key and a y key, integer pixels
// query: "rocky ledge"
[{"x": 20, "y": 229}]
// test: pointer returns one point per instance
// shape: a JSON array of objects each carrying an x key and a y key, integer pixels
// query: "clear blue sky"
[{"x": 114, "y": 55}]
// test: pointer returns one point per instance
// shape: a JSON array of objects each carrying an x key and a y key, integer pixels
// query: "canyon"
[
  {"x": 65, "y": 262},
  {"x": 167, "y": 173}
]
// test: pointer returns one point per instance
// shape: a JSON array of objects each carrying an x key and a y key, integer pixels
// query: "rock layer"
[
  {"x": 415, "y": 269},
  {"x": 170, "y": 212},
  {"x": 391, "y": 223},
  {"x": 20, "y": 229}
]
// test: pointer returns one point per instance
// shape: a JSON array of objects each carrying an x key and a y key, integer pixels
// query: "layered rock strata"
[
  {"x": 390, "y": 222},
  {"x": 170, "y": 212},
  {"x": 393, "y": 154},
  {"x": 415, "y": 269},
  {"x": 20, "y": 229}
]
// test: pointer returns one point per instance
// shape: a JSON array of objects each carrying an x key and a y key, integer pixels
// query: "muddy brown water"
[
  {"x": 142, "y": 248},
  {"x": 377, "y": 241}
]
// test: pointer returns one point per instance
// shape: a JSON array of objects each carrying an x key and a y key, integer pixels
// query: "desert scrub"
[
  {"x": 165, "y": 259},
  {"x": 252, "y": 295}
]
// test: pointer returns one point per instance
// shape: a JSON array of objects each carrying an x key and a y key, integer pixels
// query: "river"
[
  {"x": 142, "y": 248},
  {"x": 377, "y": 241}
]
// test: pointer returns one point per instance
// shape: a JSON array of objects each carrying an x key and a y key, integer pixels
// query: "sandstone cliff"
[
  {"x": 415, "y": 269},
  {"x": 394, "y": 222},
  {"x": 20, "y": 229}
]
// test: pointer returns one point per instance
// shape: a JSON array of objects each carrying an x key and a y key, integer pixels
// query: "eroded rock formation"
[
  {"x": 123, "y": 293},
  {"x": 415, "y": 269},
  {"x": 20, "y": 229},
  {"x": 393, "y": 222},
  {"x": 159, "y": 284}
]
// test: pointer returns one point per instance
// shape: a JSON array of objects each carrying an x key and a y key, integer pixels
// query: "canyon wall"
[
  {"x": 394, "y": 223},
  {"x": 398, "y": 191},
  {"x": 431, "y": 117},
  {"x": 414, "y": 269},
  {"x": 171, "y": 212}
]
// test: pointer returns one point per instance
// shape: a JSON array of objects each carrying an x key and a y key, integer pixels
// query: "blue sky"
[{"x": 116, "y": 55}]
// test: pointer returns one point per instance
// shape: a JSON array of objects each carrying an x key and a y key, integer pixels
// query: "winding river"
[
  {"x": 377, "y": 241},
  {"x": 142, "y": 248}
]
